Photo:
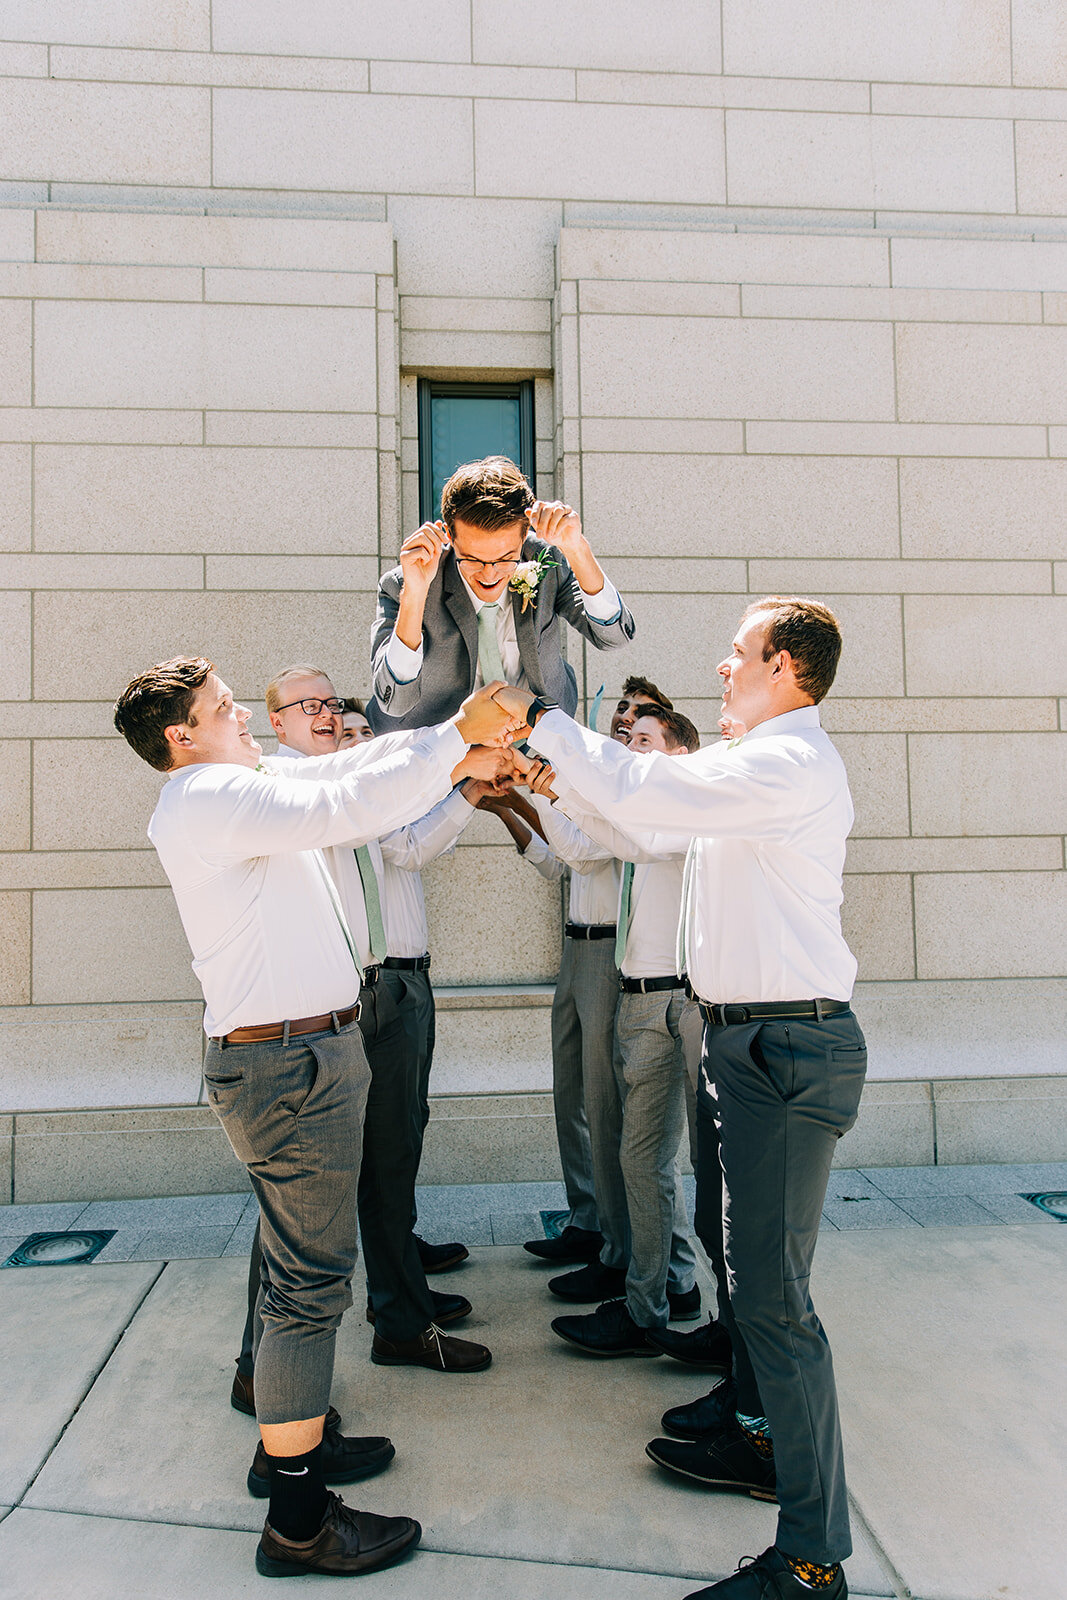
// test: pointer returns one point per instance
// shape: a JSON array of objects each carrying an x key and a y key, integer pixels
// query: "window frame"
[{"x": 431, "y": 389}]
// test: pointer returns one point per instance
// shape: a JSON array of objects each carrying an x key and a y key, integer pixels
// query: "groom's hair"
[
  {"x": 810, "y": 632},
  {"x": 158, "y": 699},
  {"x": 677, "y": 730},
  {"x": 488, "y": 494}
]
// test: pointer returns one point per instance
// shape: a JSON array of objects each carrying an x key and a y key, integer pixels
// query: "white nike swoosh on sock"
[{"x": 301, "y": 1474}]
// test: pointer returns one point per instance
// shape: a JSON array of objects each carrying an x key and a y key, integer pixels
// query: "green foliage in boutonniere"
[{"x": 527, "y": 576}]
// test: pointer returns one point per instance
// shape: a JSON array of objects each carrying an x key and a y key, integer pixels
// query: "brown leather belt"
[{"x": 335, "y": 1020}]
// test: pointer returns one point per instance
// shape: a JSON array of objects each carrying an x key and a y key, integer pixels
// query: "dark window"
[{"x": 464, "y": 421}]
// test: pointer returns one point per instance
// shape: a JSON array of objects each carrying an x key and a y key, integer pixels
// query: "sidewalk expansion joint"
[{"x": 89, "y": 1387}]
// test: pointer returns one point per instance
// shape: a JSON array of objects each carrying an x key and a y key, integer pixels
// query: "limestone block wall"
[
  {"x": 792, "y": 285},
  {"x": 838, "y": 417}
]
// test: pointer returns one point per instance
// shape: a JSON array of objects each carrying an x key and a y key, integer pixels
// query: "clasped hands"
[{"x": 490, "y": 721}]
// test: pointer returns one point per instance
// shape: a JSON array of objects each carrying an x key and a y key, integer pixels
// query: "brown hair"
[
  {"x": 488, "y": 494},
  {"x": 273, "y": 695},
  {"x": 158, "y": 699},
  {"x": 350, "y": 704},
  {"x": 646, "y": 688},
  {"x": 810, "y": 633},
  {"x": 677, "y": 730}
]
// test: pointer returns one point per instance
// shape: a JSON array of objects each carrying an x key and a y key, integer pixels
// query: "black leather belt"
[
  {"x": 732, "y": 1015},
  {"x": 370, "y": 975},
  {"x": 647, "y": 985},
  {"x": 407, "y": 963},
  {"x": 590, "y": 930}
]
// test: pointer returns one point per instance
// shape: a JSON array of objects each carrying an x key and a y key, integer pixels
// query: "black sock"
[{"x": 297, "y": 1494}]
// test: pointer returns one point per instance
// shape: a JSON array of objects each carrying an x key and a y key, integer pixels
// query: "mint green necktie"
[
  {"x": 375, "y": 925},
  {"x": 335, "y": 901},
  {"x": 492, "y": 668},
  {"x": 622, "y": 929}
]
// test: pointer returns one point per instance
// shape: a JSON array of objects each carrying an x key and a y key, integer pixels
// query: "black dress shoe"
[
  {"x": 769, "y": 1577},
  {"x": 343, "y": 1461},
  {"x": 590, "y": 1284},
  {"x": 725, "y": 1461},
  {"x": 440, "y": 1257},
  {"x": 707, "y": 1347},
  {"x": 706, "y": 1415},
  {"x": 684, "y": 1307},
  {"x": 446, "y": 1308},
  {"x": 573, "y": 1244},
  {"x": 348, "y": 1542},
  {"x": 608, "y": 1331},
  {"x": 432, "y": 1349}
]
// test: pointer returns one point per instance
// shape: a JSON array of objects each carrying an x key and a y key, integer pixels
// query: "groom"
[{"x": 450, "y": 616}]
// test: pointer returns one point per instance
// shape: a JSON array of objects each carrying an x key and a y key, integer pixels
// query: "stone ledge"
[
  {"x": 137, "y": 1152},
  {"x": 488, "y": 997}
]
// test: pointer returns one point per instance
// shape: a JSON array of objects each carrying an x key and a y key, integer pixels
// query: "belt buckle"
[{"x": 735, "y": 1021}]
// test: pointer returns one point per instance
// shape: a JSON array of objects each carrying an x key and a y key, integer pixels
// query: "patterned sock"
[
  {"x": 811, "y": 1575},
  {"x": 757, "y": 1430}
]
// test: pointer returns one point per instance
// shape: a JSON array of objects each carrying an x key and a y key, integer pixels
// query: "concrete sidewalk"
[{"x": 124, "y": 1463}]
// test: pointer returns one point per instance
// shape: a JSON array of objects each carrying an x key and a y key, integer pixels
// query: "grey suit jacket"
[{"x": 450, "y": 643}]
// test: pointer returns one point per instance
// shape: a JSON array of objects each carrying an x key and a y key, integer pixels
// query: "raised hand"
[
  {"x": 556, "y": 524},
  {"x": 420, "y": 555},
  {"x": 560, "y": 524}
]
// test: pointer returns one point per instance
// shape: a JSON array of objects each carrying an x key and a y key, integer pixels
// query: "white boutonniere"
[{"x": 526, "y": 579}]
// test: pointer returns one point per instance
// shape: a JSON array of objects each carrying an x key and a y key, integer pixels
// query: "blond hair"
[{"x": 274, "y": 688}]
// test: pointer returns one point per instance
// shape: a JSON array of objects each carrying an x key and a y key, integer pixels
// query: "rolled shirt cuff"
[
  {"x": 404, "y": 663},
  {"x": 603, "y": 607}
]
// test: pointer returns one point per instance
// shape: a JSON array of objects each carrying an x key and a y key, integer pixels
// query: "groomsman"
[
  {"x": 783, "y": 1058},
  {"x": 583, "y": 1020},
  {"x": 407, "y": 1315},
  {"x": 656, "y": 1029},
  {"x": 450, "y": 616},
  {"x": 285, "y": 1069}
]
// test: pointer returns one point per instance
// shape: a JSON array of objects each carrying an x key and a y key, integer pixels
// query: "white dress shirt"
[
  {"x": 769, "y": 817},
  {"x": 544, "y": 860},
  {"x": 242, "y": 850},
  {"x": 405, "y": 664},
  {"x": 396, "y": 860},
  {"x": 342, "y": 866},
  {"x": 594, "y": 885},
  {"x": 403, "y": 854},
  {"x": 656, "y": 892}
]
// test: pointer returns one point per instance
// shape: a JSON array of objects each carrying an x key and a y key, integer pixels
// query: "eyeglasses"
[
  {"x": 311, "y": 708},
  {"x": 488, "y": 566}
]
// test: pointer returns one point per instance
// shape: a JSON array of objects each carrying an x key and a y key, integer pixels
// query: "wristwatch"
[{"x": 537, "y": 706}]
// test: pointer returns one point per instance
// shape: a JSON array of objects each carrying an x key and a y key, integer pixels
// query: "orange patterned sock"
[{"x": 811, "y": 1575}]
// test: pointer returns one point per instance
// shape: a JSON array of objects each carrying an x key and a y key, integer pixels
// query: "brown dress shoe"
[
  {"x": 243, "y": 1398},
  {"x": 347, "y": 1542},
  {"x": 242, "y": 1395},
  {"x": 432, "y": 1349}
]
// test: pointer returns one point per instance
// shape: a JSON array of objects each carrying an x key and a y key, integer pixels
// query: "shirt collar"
[
  {"x": 788, "y": 722},
  {"x": 287, "y": 752},
  {"x": 474, "y": 599}
]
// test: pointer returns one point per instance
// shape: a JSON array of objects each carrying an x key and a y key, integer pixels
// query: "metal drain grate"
[
  {"x": 554, "y": 1223},
  {"x": 60, "y": 1249},
  {"x": 1053, "y": 1203}
]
